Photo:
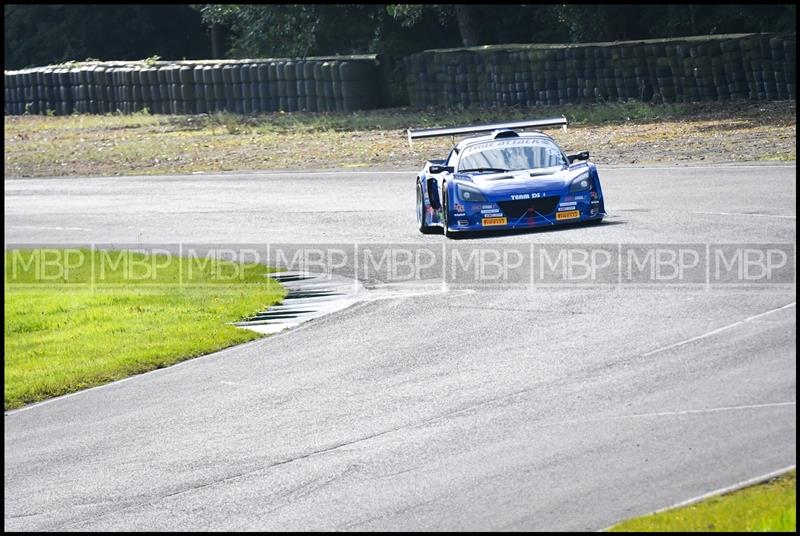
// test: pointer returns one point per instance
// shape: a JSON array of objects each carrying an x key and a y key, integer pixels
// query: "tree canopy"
[
  {"x": 310, "y": 29},
  {"x": 46, "y": 34},
  {"x": 42, "y": 34}
]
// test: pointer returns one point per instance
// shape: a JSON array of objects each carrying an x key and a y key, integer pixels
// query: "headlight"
[
  {"x": 470, "y": 195},
  {"x": 581, "y": 184}
]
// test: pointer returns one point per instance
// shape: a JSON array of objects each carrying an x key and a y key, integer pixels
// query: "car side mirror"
[
  {"x": 435, "y": 169},
  {"x": 583, "y": 155}
]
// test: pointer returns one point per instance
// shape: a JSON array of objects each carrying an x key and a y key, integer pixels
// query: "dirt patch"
[{"x": 630, "y": 133}]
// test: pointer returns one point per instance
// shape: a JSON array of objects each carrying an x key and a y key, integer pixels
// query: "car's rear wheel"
[{"x": 424, "y": 229}]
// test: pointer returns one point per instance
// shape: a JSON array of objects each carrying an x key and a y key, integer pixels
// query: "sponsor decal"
[
  {"x": 570, "y": 204},
  {"x": 509, "y": 142},
  {"x": 594, "y": 195},
  {"x": 566, "y": 208},
  {"x": 494, "y": 221},
  {"x": 571, "y": 215},
  {"x": 491, "y": 211},
  {"x": 463, "y": 223},
  {"x": 593, "y": 211},
  {"x": 487, "y": 206},
  {"x": 459, "y": 214},
  {"x": 532, "y": 195},
  {"x": 459, "y": 207},
  {"x": 595, "y": 202},
  {"x": 570, "y": 198}
]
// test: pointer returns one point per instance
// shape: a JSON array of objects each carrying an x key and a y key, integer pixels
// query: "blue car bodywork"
[{"x": 469, "y": 201}]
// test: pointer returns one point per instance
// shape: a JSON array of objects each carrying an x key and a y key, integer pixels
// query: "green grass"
[
  {"x": 381, "y": 119},
  {"x": 76, "y": 318},
  {"x": 401, "y": 119},
  {"x": 768, "y": 507}
]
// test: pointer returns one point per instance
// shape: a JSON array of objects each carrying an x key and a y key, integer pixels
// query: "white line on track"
[
  {"x": 382, "y": 292},
  {"x": 46, "y": 228},
  {"x": 415, "y": 170},
  {"x": 726, "y": 489},
  {"x": 708, "y": 410},
  {"x": 747, "y": 214},
  {"x": 282, "y": 173},
  {"x": 720, "y": 491},
  {"x": 703, "y": 166},
  {"x": 340, "y": 171},
  {"x": 153, "y": 372},
  {"x": 674, "y": 413},
  {"x": 718, "y": 330}
]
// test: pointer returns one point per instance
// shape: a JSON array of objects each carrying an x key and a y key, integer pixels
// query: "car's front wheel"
[{"x": 445, "y": 213}]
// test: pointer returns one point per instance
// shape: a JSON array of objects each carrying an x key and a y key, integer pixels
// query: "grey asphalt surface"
[{"x": 507, "y": 408}]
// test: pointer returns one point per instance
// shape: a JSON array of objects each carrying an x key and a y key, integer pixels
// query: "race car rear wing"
[{"x": 435, "y": 132}]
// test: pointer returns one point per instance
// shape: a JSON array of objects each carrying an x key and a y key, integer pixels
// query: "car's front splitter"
[{"x": 503, "y": 223}]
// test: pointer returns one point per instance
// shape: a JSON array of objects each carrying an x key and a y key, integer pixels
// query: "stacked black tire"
[
  {"x": 712, "y": 68},
  {"x": 241, "y": 86},
  {"x": 709, "y": 68}
]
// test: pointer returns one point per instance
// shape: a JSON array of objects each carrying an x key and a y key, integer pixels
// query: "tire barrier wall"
[
  {"x": 709, "y": 68},
  {"x": 195, "y": 87}
]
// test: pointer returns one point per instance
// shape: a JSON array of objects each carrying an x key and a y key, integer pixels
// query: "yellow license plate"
[
  {"x": 494, "y": 221},
  {"x": 568, "y": 215}
]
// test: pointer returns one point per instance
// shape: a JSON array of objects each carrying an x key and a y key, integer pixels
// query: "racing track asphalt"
[{"x": 506, "y": 408}]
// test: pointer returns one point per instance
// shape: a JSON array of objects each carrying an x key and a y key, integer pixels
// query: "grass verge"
[
  {"x": 767, "y": 507},
  {"x": 77, "y": 318},
  {"x": 615, "y": 133}
]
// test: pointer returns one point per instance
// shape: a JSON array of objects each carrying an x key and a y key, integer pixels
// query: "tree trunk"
[
  {"x": 216, "y": 52},
  {"x": 692, "y": 19},
  {"x": 467, "y": 25}
]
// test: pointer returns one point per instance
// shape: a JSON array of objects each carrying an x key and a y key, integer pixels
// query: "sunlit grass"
[
  {"x": 77, "y": 318},
  {"x": 143, "y": 144},
  {"x": 768, "y": 507}
]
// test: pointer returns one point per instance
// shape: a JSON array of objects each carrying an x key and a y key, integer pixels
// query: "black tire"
[
  {"x": 445, "y": 209},
  {"x": 424, "y": 229}
]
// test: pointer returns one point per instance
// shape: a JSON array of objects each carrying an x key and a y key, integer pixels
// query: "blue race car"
[{"x": 505, "y": 180}]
